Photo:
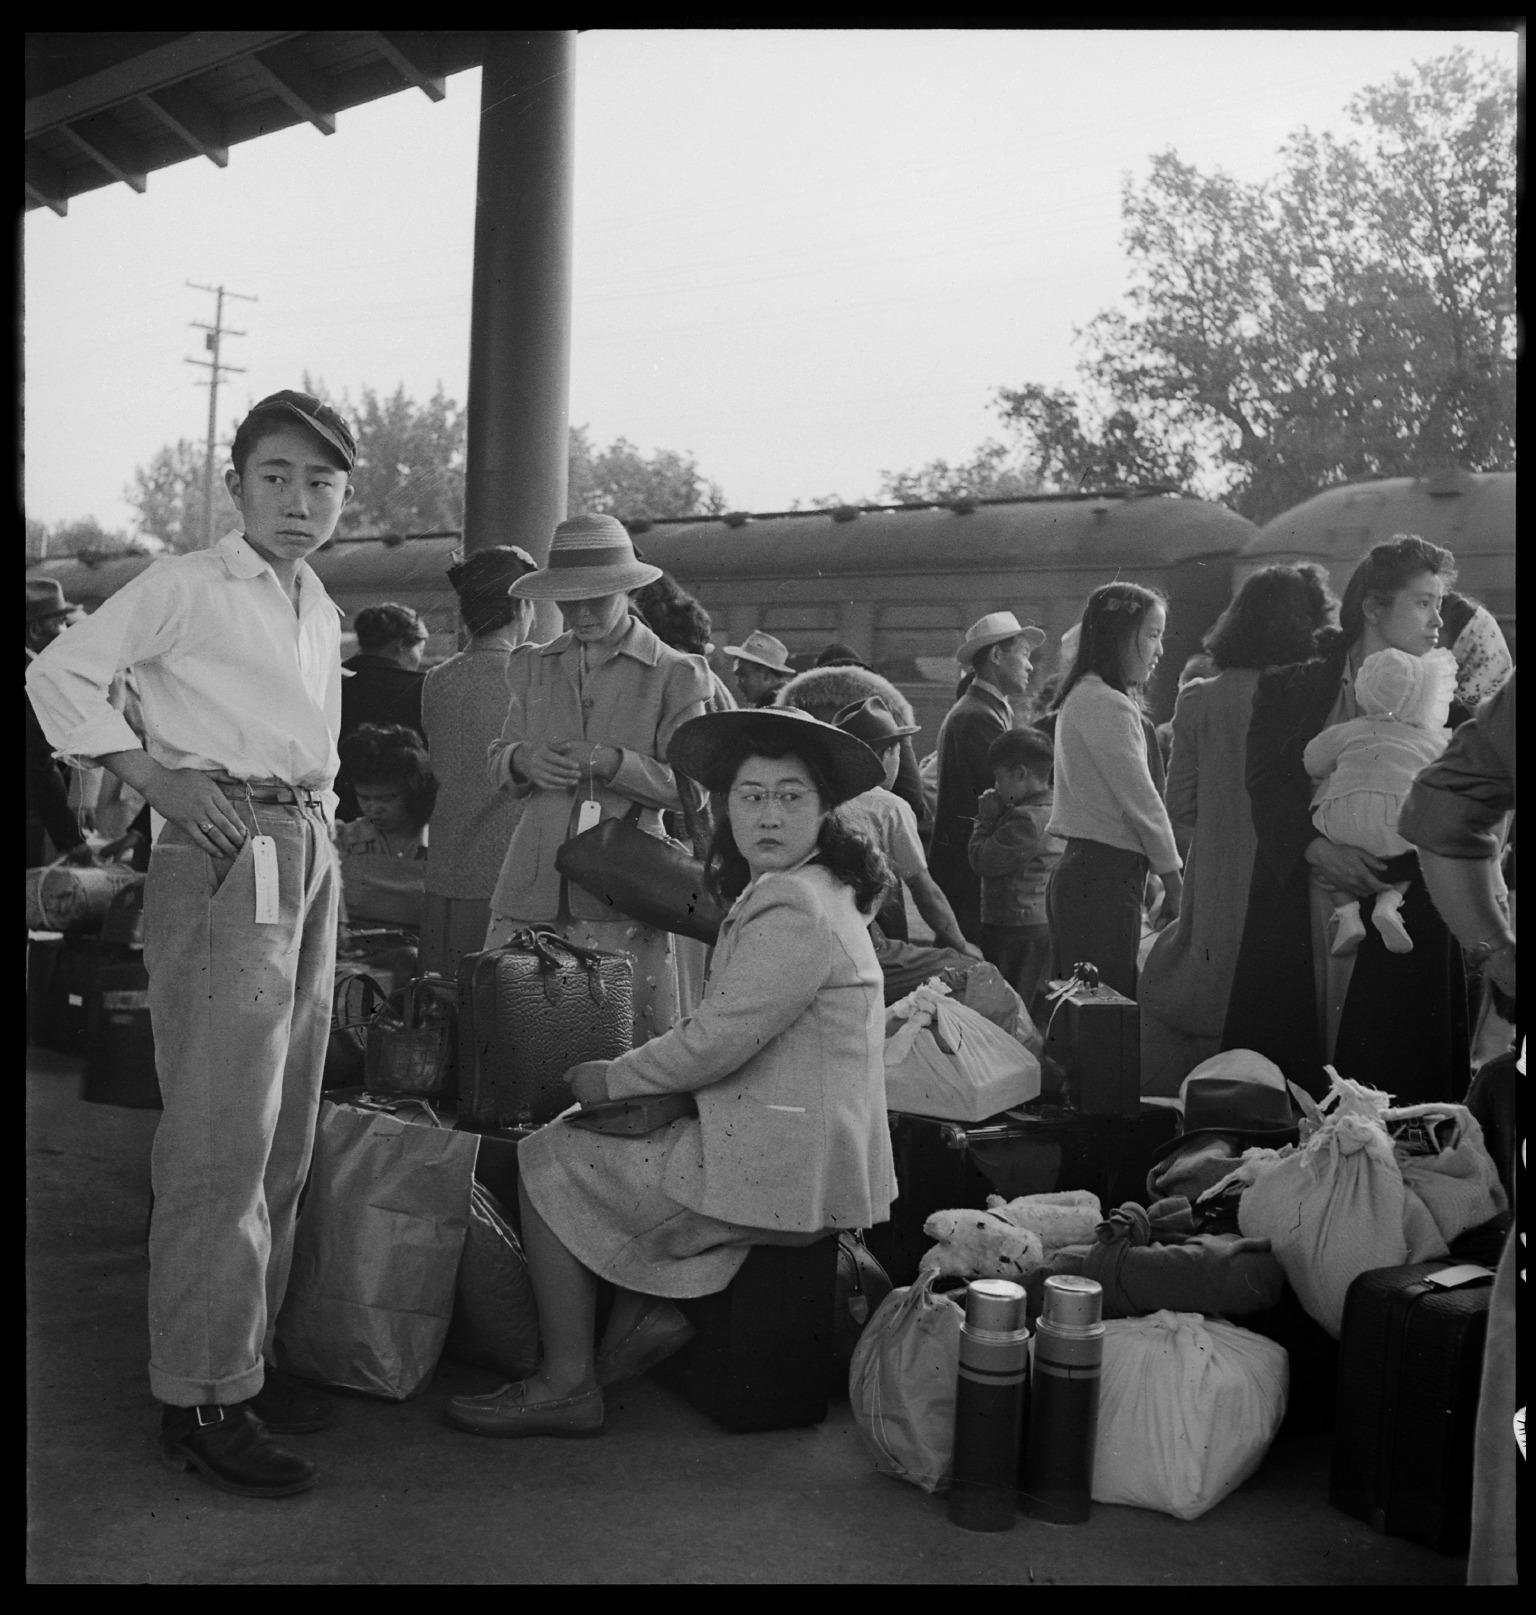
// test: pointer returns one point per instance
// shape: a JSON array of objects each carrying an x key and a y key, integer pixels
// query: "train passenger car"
[
  {"x": 1472, "y": 513},
  {"x": 899, "y": 586}
]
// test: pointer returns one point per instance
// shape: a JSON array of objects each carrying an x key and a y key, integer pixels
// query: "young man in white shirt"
[{"x": 236, "y": 655}]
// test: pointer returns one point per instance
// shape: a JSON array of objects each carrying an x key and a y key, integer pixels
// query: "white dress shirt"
[{"x": 229, "y": 677}]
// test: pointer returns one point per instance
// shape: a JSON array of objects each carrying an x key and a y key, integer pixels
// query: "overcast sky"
[{"x": 806, "y": 257}]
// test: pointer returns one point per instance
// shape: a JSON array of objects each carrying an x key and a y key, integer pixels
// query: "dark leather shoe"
[
  {"x": 230, "y": 1448},
  {"x": 289, "y": 1407}
]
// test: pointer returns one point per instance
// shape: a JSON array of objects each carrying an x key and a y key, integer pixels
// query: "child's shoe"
[{"x": 1348, "y": 931}]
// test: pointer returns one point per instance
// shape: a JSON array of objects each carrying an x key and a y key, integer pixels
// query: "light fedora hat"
[
  {"x": 993, "y": 629},
  {"x": 763, "y": 649},
  {"x": 589, "y": 556}
]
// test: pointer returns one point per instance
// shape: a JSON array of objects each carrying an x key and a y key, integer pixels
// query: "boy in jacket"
[{"x": 1012, "y": 852}]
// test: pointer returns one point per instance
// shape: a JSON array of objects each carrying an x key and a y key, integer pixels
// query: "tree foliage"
[
  {"x": 621, "y": 481},
  {"x": 84, "y": 537},
  {"x": 1352, "y": 316},
  {"x": 169, "y": 495},
  {"x": 994, "y": 471}
]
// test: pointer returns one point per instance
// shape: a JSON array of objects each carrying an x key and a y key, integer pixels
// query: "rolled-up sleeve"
[
  {"x": 70, "y": 682},
  {"x": 1457, "y": 805},
  {"x": 776, "y": 967}
]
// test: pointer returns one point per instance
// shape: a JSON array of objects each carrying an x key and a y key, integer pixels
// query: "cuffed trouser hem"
[{"x": 190, "y": 1393}]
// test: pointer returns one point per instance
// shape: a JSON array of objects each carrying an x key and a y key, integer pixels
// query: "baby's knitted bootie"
[
  {"x": 1348, "y": 931},
  {"x": 1387, "y": 918}
]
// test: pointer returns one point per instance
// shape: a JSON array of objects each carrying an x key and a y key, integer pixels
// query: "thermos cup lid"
[
  {"x": 995, "y": 1304},
  {"x": 1072, "y": 1302}
]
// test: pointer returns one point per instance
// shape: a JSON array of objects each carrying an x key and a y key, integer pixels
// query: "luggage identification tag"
[
  {"x": 591, "y": 813},
  {"x": 1452, "y": 1278},
  {"x": 264, "y": 861}
]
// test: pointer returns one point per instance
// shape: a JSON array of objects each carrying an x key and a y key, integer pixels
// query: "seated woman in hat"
[
  {"x": 589, "y": 719},
  {"x": 783, "y": 1058}
]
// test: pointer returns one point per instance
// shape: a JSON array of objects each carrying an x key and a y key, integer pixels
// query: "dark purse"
[{"x": 658, "y": 882}]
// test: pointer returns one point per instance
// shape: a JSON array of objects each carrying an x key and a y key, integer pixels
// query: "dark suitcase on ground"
[
  {"x": 762, "y": 1358},
  {"x": 1410, "y": 1366},
  {"x": 530, "y": 1011},
  {"x": 61, "y": 977},
  {"x": 120, "y": 1047},
  {"x": 941, "y": 1165}
]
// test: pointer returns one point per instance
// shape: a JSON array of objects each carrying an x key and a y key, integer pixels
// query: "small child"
[
  {"x": 1012, "y": 852},
  {"x": 1365, "y": 767}
]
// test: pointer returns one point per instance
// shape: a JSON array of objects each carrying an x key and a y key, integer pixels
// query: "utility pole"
[{"x": 215, "y": 336}]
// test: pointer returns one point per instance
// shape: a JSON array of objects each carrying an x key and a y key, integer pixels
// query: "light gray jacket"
[{"x": 785, "y": 1055}]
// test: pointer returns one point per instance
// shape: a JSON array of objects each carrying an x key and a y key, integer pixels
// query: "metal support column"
[{"x": 520, "y": 321}]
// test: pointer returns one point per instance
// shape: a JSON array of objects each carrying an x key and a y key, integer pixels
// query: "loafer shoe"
[
  {"x": 231, "y": 1449},
  {"x": 662, "y": 1330},
  {"x": 289, "y": 1407},
  {"x": 507, "y": 1412}
]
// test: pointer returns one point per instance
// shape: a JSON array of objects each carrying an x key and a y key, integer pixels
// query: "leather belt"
[{"x": 269, "y": 791}]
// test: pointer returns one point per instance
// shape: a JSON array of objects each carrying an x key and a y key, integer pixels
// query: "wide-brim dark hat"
[
  {"x": 872, "y": 722},
  {"x": 45, "y": 598},
  {"x": 1232, "y": 1107},
  {"x": 710, "y": 749}
]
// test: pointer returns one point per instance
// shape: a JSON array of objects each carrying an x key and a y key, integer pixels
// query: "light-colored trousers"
[{"x": 241, "y": 1013}]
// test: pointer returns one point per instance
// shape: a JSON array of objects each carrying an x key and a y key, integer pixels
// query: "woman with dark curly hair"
[
  {"x": 1396, "y": 1021},
  {"x": 1274, "y": 619},
  {"x": 783, "y": 1059},
  {"x": 384, "y": 853}
]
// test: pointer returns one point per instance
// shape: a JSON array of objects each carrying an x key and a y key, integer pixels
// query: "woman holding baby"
[{"x": 1344, "y": 960}]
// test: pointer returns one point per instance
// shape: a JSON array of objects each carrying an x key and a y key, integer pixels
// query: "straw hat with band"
[
  {"x": 871, "y": 721},
  {"x": 590, "y": 556},
  {"x": 710, "y": 749},
  {"x": 763, "y": 650},
  {"x": 993, "y": 629}
]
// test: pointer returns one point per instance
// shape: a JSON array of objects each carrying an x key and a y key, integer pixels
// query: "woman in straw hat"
[
  {"x": 589, "y": 720},
  {"x": 784, "y": 1059}
]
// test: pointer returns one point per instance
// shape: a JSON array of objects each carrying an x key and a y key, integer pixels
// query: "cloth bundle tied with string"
[
  {"x": 944, "y": 1059},
  {"x": 1369, "y": 1186}
]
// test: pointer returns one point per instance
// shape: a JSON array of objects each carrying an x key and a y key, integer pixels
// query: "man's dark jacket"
[{"x": 969, "y": 728}]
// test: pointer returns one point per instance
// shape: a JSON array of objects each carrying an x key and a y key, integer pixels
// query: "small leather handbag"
[
  {"x": 634, "y": 1117},
  {"x": 409, "y": 1050},
  {"x": 654, "y": 880}
]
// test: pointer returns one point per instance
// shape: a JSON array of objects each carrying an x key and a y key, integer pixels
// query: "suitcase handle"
[{"x": 546, "y": 945}]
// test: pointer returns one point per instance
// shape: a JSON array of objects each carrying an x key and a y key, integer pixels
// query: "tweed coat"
[
  {"x": 785, "y": 1057},
  {"x": 635, "y": 696}
]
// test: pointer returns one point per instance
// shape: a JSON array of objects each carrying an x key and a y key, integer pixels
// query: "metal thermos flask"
[
  {"x": 989, "y": 1407},
  {"x": 1056, "y": 1481}
]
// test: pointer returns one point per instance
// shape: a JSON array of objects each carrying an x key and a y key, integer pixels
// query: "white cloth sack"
[
  {"x": 901, "y": 1384},
  {"x": 1187, "y": 1409},
  {"x": 1340, "y": 1205},
  {"x": 946, "y": 1060}
]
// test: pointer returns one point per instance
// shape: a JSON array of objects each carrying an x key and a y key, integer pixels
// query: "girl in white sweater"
[{"x": 1105, "y": 804}]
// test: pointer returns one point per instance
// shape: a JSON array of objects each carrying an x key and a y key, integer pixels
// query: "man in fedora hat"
[
  {"x": 236, "y": 656},
  {"x": 50, "y": 818},
  {"x": 761, "y": 666},
  {"x": 996, "y": 650}
]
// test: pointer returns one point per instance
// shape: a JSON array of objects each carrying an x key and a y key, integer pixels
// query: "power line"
[{"x": 214, "y": 366}]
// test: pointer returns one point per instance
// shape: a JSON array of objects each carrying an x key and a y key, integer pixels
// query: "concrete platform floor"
[{"x": 662, "y": 1496}]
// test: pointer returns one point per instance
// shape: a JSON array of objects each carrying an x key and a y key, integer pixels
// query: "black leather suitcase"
[
  {"x": 1410, "y": 1366},
  {"x": 762, "y": 1357},
  {"x": 941, "y": 1165},
  {"x": 527, "y": 1014},
  {"x": 120, "y": 1047},
  {"x": 61, "y": 978}
]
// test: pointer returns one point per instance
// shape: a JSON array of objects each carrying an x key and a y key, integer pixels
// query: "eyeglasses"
[{"x": 751, "y": 798}]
